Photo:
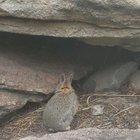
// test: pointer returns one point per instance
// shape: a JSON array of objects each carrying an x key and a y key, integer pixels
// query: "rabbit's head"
[{"x": 64, "y": 84}]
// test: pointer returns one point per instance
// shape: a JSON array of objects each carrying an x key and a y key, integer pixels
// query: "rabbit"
[{"x": 62, "y": 107}]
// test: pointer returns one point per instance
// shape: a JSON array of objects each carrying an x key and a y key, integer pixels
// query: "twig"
[
  {"x": 86, "y": 108},
  {"x": 88, "y": 100},
  {"x": 104, "y": 125},
  {"x": 126, "y": 109},
  {"x": 114, "y": 107}
]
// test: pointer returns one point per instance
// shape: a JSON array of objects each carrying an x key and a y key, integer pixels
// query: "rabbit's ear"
[
  {"x": 62, "y": 79},
  {"x": 71, "y": 77}
]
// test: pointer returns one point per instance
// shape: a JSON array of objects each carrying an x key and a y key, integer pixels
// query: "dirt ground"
[{"x": 121, "y": 110}]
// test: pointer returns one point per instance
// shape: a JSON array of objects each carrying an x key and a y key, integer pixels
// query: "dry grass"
[
  {"x": 120, "y": 111},
  {"x": 25, "y": 125}
]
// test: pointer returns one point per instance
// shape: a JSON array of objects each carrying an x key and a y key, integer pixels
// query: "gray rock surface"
[
  {"x": 110, "y": 78},
  {"x": 135, "y": 81},
  {"x": 61, "y": 10},
  {"x": 105, "y": 23},
  {"x": 92, "y": 134},
  {"x": 11, "y": 101}
]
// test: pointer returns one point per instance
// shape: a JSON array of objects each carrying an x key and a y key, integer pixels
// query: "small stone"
[
  {"x": 97, "y": 110},
  {"x": 110, "y": 78}
]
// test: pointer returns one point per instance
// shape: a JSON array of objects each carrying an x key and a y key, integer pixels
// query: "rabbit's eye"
[{"x": 64, "y": 88}]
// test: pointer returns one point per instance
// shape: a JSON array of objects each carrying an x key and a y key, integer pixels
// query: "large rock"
[
  {"x": 135, "y": 81},
  {"x": 11, "y": 101},
  {"x": 110, "y": 78},
  {"x": 26, "y": 65},
  {"x": 105, "y": 23},
  {"x": 92, "y": 134}
]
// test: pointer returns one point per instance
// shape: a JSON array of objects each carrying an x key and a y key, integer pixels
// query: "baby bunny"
[{"x": 61, "y": 108}]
